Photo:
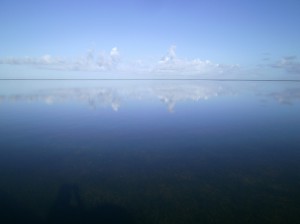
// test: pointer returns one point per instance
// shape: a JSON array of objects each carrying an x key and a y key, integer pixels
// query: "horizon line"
[{"x": 149, "y": 79}]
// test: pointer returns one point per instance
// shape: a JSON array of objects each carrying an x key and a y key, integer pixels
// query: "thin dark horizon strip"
[{"x": 148, "y": 79}]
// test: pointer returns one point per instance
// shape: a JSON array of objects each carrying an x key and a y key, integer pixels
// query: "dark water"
[{"x": 149, "y": 152}]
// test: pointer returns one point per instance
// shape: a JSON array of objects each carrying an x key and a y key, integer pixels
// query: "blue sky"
[{"x": 194, "y": 37}]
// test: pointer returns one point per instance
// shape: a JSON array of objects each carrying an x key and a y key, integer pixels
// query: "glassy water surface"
[{"x": 149, "y": 152}]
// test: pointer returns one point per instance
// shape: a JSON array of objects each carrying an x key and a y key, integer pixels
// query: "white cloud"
[
  {"x": 170, "y": 63},
  {"x": 109, "y": 62},
  {"x": 170, "y": 57},
  {"x": 114, "y": 55},
  {"x": 46, "y": 59},
  {"x": 90, "y": 57}
]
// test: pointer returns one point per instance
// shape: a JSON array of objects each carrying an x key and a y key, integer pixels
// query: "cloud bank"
[
  {"x": 88, "y": 62},
  {"x": 169, "y": 64}
]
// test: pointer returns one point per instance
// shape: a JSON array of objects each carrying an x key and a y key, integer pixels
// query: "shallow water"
[{"x": 149, "y": 152}]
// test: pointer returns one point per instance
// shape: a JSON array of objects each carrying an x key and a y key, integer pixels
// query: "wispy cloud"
[
  {"x": 89, "y": 62},
  {"x": 43, "y": 60},
  {"x": 290, "y": 64}
]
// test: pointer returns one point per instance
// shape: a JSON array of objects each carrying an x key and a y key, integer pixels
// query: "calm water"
[{"x": 149, "y": 152}]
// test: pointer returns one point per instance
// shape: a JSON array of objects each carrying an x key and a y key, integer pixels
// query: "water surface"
[{"x": 149, "y": 151}]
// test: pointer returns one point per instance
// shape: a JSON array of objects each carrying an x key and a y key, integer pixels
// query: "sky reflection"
[{"x": 170, "y": 93}]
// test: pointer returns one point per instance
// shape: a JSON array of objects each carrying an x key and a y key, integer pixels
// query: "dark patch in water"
[
  {"x": 12, "y": 212},
  {"x": 68, "y": 208}
]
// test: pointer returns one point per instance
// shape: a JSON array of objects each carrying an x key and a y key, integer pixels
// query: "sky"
[{"x": 138, "y": 37}]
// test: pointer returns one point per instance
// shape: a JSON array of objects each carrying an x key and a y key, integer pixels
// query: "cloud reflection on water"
[
  {"x": 286, "y": 96},
  {"x": 169, "y": 93}
]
